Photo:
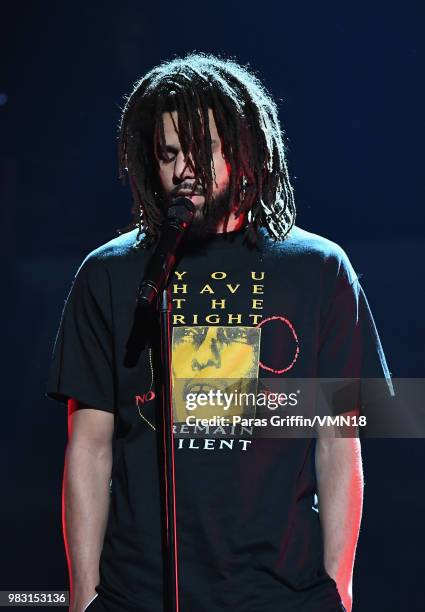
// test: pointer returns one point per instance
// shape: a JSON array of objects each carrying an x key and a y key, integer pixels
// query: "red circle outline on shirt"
[{"x": 294, "y": 335}]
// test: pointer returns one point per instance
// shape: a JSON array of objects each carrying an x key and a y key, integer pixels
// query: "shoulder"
[
  {"x": 308, "y": 251},
  {"x": 111, "y": 253},
  {"x": 107, "y": 260},
  {"x": 121, "y": 247}
]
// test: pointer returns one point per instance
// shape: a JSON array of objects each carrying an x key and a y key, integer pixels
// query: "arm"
[
  {"x": 87, "y": 473},
  {"x": 340, "y": 491}
]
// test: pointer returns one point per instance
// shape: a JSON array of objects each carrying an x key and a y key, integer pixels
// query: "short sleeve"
[
  {"x": 82, "y": 364},
  {"x": 350, "y": 347}
]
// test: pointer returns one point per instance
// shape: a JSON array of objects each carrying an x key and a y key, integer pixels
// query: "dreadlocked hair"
[{"x": 252, "y": 142}]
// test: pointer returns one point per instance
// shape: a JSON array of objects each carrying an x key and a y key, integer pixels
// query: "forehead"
[{"x": 171, "y": 136}]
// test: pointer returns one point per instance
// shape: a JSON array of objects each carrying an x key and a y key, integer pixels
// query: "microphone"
[{"x": 180, "y": 215}]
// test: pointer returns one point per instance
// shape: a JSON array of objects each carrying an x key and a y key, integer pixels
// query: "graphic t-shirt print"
[
  {"x": 215, "y": 343},
  {"x": 212, "y": 367},
  {"x": 226, "y": 334}
]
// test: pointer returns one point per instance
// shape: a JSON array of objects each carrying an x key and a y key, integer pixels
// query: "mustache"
[{"x": 189, "y": 188}]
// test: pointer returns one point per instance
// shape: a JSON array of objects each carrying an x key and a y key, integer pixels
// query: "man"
[{"x": 252, "y": 293}]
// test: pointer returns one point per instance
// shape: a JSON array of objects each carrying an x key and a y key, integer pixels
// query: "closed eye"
[
  {"x": 168, "y": 154},
  {"x": 171, "y": 151}
]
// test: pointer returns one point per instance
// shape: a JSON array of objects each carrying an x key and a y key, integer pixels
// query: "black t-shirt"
[{"x": 249, "y": 535}]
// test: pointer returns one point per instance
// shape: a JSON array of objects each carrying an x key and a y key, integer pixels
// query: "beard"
[{"x": 203, "y": 225}]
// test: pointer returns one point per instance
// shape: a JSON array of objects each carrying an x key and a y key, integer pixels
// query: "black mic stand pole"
[
  {"x": 154, "y": 289},
  {"x": 168, "y": 453}
]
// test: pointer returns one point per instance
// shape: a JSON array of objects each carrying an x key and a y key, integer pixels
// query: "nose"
[
  {"x": 207, "y": 355},
  {"x": 183, "y": 167}
]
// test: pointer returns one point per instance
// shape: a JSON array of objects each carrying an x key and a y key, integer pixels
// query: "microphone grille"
[{"x": 181, "y": 209}]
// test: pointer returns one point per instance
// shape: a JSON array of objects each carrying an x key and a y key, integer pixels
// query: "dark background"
[{"x": 348, "y": 81}]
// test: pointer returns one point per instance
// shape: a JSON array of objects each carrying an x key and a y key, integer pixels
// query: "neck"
[{"x": 233, "y": 223}]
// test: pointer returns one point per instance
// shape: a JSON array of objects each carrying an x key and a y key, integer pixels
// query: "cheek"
[{"x": 224, "y": 170}]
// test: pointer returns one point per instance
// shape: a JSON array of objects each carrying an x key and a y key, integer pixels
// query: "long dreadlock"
[{"x": 248, "y": 124}]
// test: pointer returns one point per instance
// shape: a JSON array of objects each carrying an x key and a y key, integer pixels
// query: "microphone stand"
[
  {"x": 171, "y": 569},
  {"x": 159, "y": 268}
]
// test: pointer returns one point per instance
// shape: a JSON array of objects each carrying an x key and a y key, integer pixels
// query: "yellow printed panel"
[{"x": 221, "y": 360}]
